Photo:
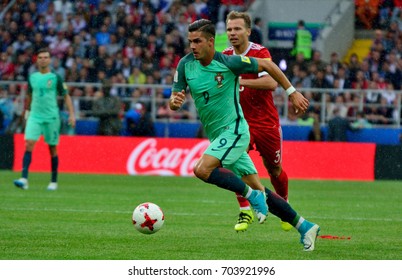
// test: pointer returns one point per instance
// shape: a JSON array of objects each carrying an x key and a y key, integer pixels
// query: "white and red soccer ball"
[{"x": 148, "y": 218}]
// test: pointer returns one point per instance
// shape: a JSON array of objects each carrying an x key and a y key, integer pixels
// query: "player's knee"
[
  {"x": 201, "y": 172},
  {"x": 275, "y": 171},
  {"x": 29, "y": 145},
  {"x": 53, "y": 150}
]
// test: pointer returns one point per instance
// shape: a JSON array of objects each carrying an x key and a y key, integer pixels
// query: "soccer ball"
[{"x": 148, "y": 218}]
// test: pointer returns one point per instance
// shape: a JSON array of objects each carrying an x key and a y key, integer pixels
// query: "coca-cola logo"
[{"x": 149, "y": 159}]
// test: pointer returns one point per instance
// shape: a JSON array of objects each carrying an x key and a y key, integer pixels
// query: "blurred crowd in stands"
[
  {"x": 134, "y": 42},
  {"x": 379, "y": 74}
]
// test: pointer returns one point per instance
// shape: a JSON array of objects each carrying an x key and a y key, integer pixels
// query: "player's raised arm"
[
  {"x": 177, "y": 99},
  {"x": 300, "y": 103},
  {"x": 264, "y": 82}
]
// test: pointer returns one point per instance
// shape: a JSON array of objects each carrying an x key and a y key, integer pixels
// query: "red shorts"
[{"x": 268, "y": 142}]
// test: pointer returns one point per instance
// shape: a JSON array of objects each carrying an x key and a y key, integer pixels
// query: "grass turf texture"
[{"x": 89, "y": 217}]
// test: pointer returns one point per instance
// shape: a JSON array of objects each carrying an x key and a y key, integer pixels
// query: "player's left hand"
[
  {"x": 300, "y": 103},
  {"x": 177, "y": 99},
  {"x": 71, "y": 121}
]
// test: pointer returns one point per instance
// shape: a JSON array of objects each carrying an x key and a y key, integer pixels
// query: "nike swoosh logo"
[
  {"x": 215, "y": 150},
  {"x": 189, "y": 79}
]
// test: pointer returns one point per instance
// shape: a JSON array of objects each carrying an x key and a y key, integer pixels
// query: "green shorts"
[
  {"x": 49, "y": 129},
  {"x": 230, "y": 149}
]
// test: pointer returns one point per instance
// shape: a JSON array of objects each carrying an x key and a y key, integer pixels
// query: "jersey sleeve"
[
  {"x": 179, "y": 79},
  {"x": 61, "y": 86},
  {"x": 30, "y": 89},
  {"x": 244, "y": 64},
  {"x": 264, "y": 54},
  {"x": 239, "y": 64}
]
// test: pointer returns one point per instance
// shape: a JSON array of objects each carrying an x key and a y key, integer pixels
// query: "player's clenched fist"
[{"x": 177, "y": 99}]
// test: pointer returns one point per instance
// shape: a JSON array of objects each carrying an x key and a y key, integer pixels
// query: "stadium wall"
[
  {"x": 176, "y": 157},
  {"x": 384, "y": 136},
  {"x": 331, "y": 22},
  {"x": 6, "y": 151},
  {"x": 388, "y": 162}
]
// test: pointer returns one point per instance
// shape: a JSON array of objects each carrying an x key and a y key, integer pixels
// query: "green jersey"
[
  {"x": 44, "y": 89},
  {"x": 215, "y": 90}
]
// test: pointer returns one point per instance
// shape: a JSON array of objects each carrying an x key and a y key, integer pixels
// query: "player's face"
[
  {"x": 237, "y": 32},
  {"x": 43, "y": 60},
  {"x": 199, "y": 44}
]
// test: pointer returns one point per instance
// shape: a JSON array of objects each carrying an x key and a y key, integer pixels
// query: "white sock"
[
  {"x": 301, "y": 220},
  {"x": 249, "y": 191}
]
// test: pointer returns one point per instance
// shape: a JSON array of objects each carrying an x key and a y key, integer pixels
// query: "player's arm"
[
  {"x": 178, "y": 95},
  {"x": 62, "y": 89},
  {"x": 28, "y": 101},
  {"x": 69, "y": 103},
  {"x": 300, "y": 103},
  {"x": 177, "y": 99},
  {"x": 263, "y": 82}
]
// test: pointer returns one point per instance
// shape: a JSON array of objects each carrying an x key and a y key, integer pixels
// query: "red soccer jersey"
[{"x": 258, "y": 105}]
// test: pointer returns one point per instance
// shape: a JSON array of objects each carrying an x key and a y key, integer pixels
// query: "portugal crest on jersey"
[
  {"x": 219, "y": 79},
  {"x": 49, "y": 83}
]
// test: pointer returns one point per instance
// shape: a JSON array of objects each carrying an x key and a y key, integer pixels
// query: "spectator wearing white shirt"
[
  {"x": 338, "y": 106},
  {"x": 373, "y": 95},
  {"x": 389, "y": 94},
  {"x": 200, "y": 7},
  {"x": 59, "y": 23},
  {"x": 58, "y": 68},
  {"x": 78, "y": 23},
  {"x": 59, "y": 46},
  {"x": 21, "y": 44},
  {"x": 63, "y": 6},
  {"x": 51, "y": 36}
]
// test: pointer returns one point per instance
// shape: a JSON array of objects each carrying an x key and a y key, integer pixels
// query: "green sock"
[
  {"x": 297, "y": 221},
  {"x": 247, "y": 192}
]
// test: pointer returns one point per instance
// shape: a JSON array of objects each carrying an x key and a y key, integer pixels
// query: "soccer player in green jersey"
[
  {"x": 213, "y": 82},
  {"x": 43, "y": 117}
]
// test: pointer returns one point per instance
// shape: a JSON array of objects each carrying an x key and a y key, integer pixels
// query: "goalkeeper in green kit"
[
  {"x": 213, "y": 82},
  {"x": 43, "y": 117}
]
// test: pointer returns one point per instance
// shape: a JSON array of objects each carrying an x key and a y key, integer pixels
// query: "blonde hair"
[{"x": 235, "y": 15}]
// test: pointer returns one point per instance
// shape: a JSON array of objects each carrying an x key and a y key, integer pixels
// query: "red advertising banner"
[{"x": 176, "y": 157}]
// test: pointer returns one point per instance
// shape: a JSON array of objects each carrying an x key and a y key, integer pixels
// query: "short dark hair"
[
  {"x": 360, "y": 114},
  {"x": 43, "y": 50},
  {"x": 257, "y": 20},
  {"x": 107, "y": 85},
  {"x": 203, "y": 25}
]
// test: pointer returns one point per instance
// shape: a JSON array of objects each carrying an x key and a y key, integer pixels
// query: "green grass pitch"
[{"x": 89, "y": 218}]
